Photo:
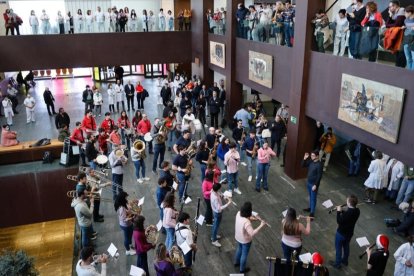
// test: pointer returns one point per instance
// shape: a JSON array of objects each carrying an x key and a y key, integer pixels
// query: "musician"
[
  {"x": 318, "y": 268},
  {"x": 231, "y": 160},
  {"x": 136, "y": 119},
  {"x": 180, "y": 164},
  {"x": 141, "y": 244},
  {"x": 328, "y": 141},
  {"x": 346, "y": 223},
  {"x": 244, "y": 233},
  {"x": 159, "y": 138},
  {"x": 377, "y": 260},
  {"x": 161, "y": 192},
  {"x": 138, "y": 157},
  {"x": 143, "y": 127},
  {"x": 90, "y": 151},
  {"x": 211, "y": 138},
  {"x": 184, "y": 141},
  {"x": 292, "y": 231},
  {"x": 183, "y": 234},
  {"x": 63, "y": 133},
  {"x": 162, "y": 263},
  {"x": 219, "y": 134},
  {"x": 202, "y": 158},
  {"x": 103, "y": 141},
  {"x": 278, "y": 130},
  {"x": 313, "y": 179},
  {"x": 261, "y": 124},
  {"x": 88, "y": 122},
  {"x": 206, "y": 187},
  {"x": 77, "y": 139},
  {"x": 117, "y": 161},
  {"x": 165, "y": 173},
  {"x": 124, "y": 125},
  {"x": 222, "y": 149},
  {"x": 87, "y": 98},
  {"x": 188, "y": 121},
  {"x": 121, "y": 208},
  {"x": 171, "y": 123},
  {"x": 62, "y": 118},
  {"x": 86, "y": 266},
  {"x": 249, "y": 145},
  {"x": 244, "y": 115},
  {"x": 264, "y": 154},
  {"x": 84, "y": 217},
  {"x": 217, "y": 208},
  {"x": 404, "y": 258},
  {"x": 108, "y": 124},
  {"x": 169, "y": 220},
  {"x": 212, "y": 167},
  {"x": 239, "y": 135}
]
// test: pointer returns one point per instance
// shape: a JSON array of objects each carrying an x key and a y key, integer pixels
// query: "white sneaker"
[
  {"x": 205, "y": 125},
  {"x": 243, "y": 164},
  {"x": 250, "y": 178},
  {"x": 218, "y": 236},
  {"x": 237, "y": 191},
  {"x": 146, "y": 178},
  {"x": 256, "y": 176},
  {"x": 130, "y": 252},
  {"x": 140, "y": 181},
  {"x": 216, "y": 243}
]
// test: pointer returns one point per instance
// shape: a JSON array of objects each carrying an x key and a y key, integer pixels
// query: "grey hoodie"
[{"x": 83, "y": 213}]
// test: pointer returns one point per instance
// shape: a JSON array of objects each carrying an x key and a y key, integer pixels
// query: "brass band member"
[
  {"x": 162, "y": 263},
  {"x": 265, "y": 153},
  {"x": 183, "y": 234},
  {"x": 141, "y": 244},
  {"x": 217, "y": 207},
  {"x": 180, "y": 166},
  {"x": 202, "y": 158},
  {"x": 239, "y": 135},
  {"x": 138, "y": 157},
  {"x": 166, "y": 173},
  {"x": 211, "y": 138},
  {"x": 117, "y": 161},
  {"x": 222, "y": 149},
  {"x": 85, "y": 264},
  {"x": 162, "y": 191},
  {"x": 171, "y": 124},
  {"x": 91, "y": 152},
  {"x": 346, "y": 223},
  {"x": 169, "y": 219},
  {"x": 84, "y": 217},
  {"x": 184, "y": 141},
  {"x": 121, "y": 208},
  {"x": 377, "y": 260},
  {"x": 84, "y": 186},
  {"x": 160, "y": 135},
  {"x": 77, "y": 139}
]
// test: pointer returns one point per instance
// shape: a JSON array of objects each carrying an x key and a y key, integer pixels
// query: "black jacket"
[
  {"x": 407, "y": 226},
  {"x": 315, "y": 170},
  {"x": 129, "y": 90},
  {"x": 91, "y": 152},
  {"x": 278, "y": 130},
  {"x": 346, "y": 222},
  {"x": 48, "y": 97},
  {"x": 165, "y": 93},
  {"x": 85, "y": 96},
  {"x": 214, "y": 105},
  {"x": 62, "y": 119},
  {"x": 355, "y": 23}
]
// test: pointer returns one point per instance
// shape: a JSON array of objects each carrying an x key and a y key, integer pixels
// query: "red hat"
[
  {"x": 383, "y": 242},
  {"x": 317, "y": 259}
]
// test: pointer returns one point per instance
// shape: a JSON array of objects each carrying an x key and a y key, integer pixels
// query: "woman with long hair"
[
  {"x": 79, "y": 21},
  {"x": 111, "y": 98},
  {"x": 292, "y": 231},
  {"x": 121, "y": 208},
  {"x": 137, "y": 118},
  {"x": 171, "y": 123},
  {"x": 212, "y": 167},
  {"x": 134, "y": 21},
  {"x": 222, "y": 149},
  {"x": 169, "y": 220},
  {"x": 207, "y": 186},
  {"x": 202, "y": 158},
  {"x": 124, "y": 124},
  {"x": 142, "y": 246},
  {"x": 162, "y": 263}
]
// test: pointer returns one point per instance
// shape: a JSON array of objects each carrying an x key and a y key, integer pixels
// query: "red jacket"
[
  {"x": 89, "y": 123},
  {"x": 377, "y": 17},
  {"x": 8, "y": 138},
  {"x": 141, "y": 243},
  {"x": 393, "y": 38},
  {"x": 108, "y": 125},
  {"x": 123, "y": 123},
  {"x": 77, "y": 135},
  {"x": 144, "y": 127},
  {"x": 103, "y": 144},
  {"x": 139, "y": 88}
]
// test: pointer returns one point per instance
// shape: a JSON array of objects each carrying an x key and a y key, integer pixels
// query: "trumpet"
[{"x": 102, "y": 173}]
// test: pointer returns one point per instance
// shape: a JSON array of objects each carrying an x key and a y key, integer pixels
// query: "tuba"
[
  {"x": 151, "y": 232},
  {"x": 139, "y": 147},
  {"x": 176, "y": 256},
  {"x": 162, "y": 137}
]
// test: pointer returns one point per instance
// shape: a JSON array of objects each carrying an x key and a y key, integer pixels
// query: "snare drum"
[
  {"x": 148, "y": 137},
  {"x": 101, "y": 159}
]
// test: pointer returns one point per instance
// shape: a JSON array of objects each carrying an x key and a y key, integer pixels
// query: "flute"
[
  {"x": 304, "y": 217},
  {"x": 261, "y": 220},
  {"x": 365, "y": 252}
]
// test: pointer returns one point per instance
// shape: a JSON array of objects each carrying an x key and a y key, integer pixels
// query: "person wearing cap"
[
  {"x": 313, "y": 179},
  {"x": 248, "y": 146},
  {"x": 377, "y": 260},
  {"x": 86, "y": 265},
  {"x": 318, "y": 268}
]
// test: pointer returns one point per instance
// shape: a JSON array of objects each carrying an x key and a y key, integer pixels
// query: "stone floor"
[{"x": 283, "y": 192}]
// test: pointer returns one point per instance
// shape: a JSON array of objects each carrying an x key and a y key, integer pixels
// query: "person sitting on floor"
[{"x": 8, "y": 137}]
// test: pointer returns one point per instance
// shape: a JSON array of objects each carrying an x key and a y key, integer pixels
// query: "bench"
[{"x": 24, "y": 153}]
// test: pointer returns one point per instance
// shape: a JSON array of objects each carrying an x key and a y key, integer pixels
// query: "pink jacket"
[
  {"x": 170, "y": 218},
  {"x": 8, "y": 138},
  {"x": 263, "y": 155},
  {"x": 207, "y": 188}
]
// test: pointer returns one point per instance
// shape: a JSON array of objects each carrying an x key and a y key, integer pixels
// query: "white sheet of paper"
[
  {"x": 327, "y": 204},
  {"x": 379, "y": 121},
  {"x": 175, "y": 186},
  {"x": 200, "y": 220},
  {"x": 75, "y": 150},
  {"x": 136, "y": 271},
  {"x": 187, "y": 200},
  {"x": 284, "y": 213},
  {"x": 305, "y": 258},
  {"x": 141, "y": 201},
  {"x": 363, "y": 241},
  {"x": 223, "y": 171},
  {"x": 236, "y": 274},
  {"x": 185, "y": 247},
  {"x": 112, "y": 250},
  {"x": 254, "y": 213},
  {"x": 227, "y": 194},
  {"x": 159, "y": 225}
]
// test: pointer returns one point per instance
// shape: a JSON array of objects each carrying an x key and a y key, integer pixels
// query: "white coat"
[
  {"x": 119, "y": 92},
  {"x": 97, "y": 98},
  {"x": 377, "y": 174},
  {"x": 8, "y": 107},
  {"x": 111, "y": 96},
  {"x": 404, "y": 253},
  {"x": 396, "y": 174}
]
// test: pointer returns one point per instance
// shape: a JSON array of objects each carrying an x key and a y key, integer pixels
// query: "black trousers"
[
  {"x": 278, "y": 143},
  {"x": 214, "y": 120},
  {"x": 130, "y": 102},
  {"x": 117, "y": 106},
  {"x": 51, "y": 108},
  {"x": 140, "y": 102}
]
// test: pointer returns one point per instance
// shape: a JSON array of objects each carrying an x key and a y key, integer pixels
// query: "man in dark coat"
[
  {"x": 278, "y": 130},
  {"x": 49, "y": 99},
  {"x": 165, "y": 94},
  {"x": 130, "y": 92},
  {"x": 62, "y": 119},
  {"x": 87, "y": 98}
]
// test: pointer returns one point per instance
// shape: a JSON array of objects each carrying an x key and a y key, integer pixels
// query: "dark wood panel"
[
  {"x": 323, "y": 99},
  {"x": 83, "y": 50}
]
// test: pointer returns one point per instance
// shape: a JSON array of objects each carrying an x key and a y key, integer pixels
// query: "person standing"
[
  {"x": 395, "y": 173},
  {"x": 121, "y": 208},
  {"x": 377, "y": 260},
  {"x": 346, "y": 223},
  {"x": 138, "y": 157},
  {"x": 354, "y": 150},
  {"x": 129, "y": 92},
  {"x": 231, "y": 161},
  {"x": 84, "y": 217},
  {"x": 407, "y": 185},
  {"x": 355, "y": 15},
  {"x": 265, "y": 153},
  {"x": 206, "y": 187},
  {"x": 244, "y": 233},
  {"x": 77, "y": 139},
  {"x": 12, "y": 93},
  {"x": 30, "y": 104},
  {"x": 9, "y": 21},
  {"x": 87, "y": 98},
  {"x": 139, "y": 89},
  {"x": 161, "y": 20},
  {"x": 180, "y": 165},
  {"x": 278, "y": 131},
  {"x": 119, "y": 95},
  {"x": 165, "y": 94},
  {"x": 214, "y": 104},
  {"x": 250, "y": 145},
  {"x": 244, "y": 115},
  {"x": 144, "y": 127},
  {"x": 97, "y": 101},
  {"x": 8, "y": 109},
  {"x": 217, "y": 208},
  {"x": 313, "y": 179},
  {"x": 377, "y": 178},
  {"x": 408, "y": 39},
  {"x": 100, "y": 20},
  {"x": 328, "y": 141},
  {"x": 34, "y": 22},
  {"x": 61, "y": 22},
  {"x": 117, "y": 160},
  {"x": 404, "y": 258},
  {"x": 86, "y": 264},
  {"x": 169, "y": 220},
  {"x": 239, "y": 136},
  {"x": 141, "y": 244},
  {"x": 49, "y": 99},
  {"x": 320, "y": 130},
  {"x": 183, "y": 234},
  {"x": 111, "y": 98},
  {"x": 341, "y": 30},
  {"x": 45, "y": 24},
  {"x": 88, "y": 122},
  {"x": 159, "y": 144},
  {"x": 91, "y": 152},
  {"x": 396, "y": 18}
]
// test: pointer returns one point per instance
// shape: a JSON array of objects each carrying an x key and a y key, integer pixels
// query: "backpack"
[
  {"x": 41, "y": 142},
  {"x": 47, "y": 157}
]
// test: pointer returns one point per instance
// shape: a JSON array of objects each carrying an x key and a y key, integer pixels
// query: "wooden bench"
[{"x": 24, "y": 153}]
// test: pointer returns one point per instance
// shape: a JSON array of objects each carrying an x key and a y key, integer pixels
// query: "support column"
[{"x": 301, "y": 131}]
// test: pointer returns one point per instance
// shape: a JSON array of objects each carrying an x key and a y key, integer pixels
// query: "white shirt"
[
  {"x": 89, "y": 270},
  {"x": 45, "y": 18},
  {"x": 404, "y": 253},
  {"x": 89, "y": 19},
  {"x": 33, "y": 20},
  {"x": 183, "y": 235},
  {"x": 99, "y": 17},
  {"x": 29, "y": 102},
  {"x": 187, "y": 119},
  {"x": 341, "y": 25}
]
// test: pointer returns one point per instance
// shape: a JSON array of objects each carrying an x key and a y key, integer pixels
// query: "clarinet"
[{"x": 196, "y": 226}]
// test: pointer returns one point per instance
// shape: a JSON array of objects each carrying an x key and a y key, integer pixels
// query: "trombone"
[
  {"x": 92, "y": 195},
  {"x": 102, "y": 173}
]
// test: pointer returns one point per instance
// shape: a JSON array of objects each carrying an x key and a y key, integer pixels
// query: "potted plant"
[{"x": 16, "y": 263}]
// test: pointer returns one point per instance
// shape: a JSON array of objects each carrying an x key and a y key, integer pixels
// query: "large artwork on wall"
[
  {"x": 217, "y": 54},
  {"x": 372, "y": 106},
  {"x": 261, "y": 68}
]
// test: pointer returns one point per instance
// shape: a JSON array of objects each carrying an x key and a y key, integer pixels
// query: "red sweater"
[
  {"x": 89, "y": 123},
  {"x": 144, "y": 127},
  {"x": 108, "y": 125},
  {"x": 141, "y": 243},
  {"x": 207, "y": 188},
  {"x": 377, "y": 17},
  {"x": 77, "y": 135}
]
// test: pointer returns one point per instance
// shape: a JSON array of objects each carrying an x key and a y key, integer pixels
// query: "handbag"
[
  {"x": 266, "y": 133},
  {"x": 146, "y": 94}
]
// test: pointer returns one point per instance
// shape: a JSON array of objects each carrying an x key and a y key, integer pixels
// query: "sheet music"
[
  {"x": 112, "y": 250},
  {"x": 327, "y": 204},
  {"x": 284, "y": 213},
  {"x": 200, "y": 220},
  {"x": 136, "y": 271},
  {"x": 187, "y": 200},
  {"x": 306, "y": 258},
  {"x": 159, "y": 225},
  {"x": 141, "y": 201},
  {"x": 363, "y": 241},
  {"x": 185, "y": 247},
  {"x": 227, "y": 194},
  {"x": 254, "y": 213},
  {"x": 175, "y": 186}
]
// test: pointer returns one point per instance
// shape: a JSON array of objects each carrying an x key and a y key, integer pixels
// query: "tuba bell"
[{"x": 139, "y": 147}]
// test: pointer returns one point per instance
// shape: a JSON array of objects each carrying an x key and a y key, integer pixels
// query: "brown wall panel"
[
  {"x": 83, "y": 50},
  {"x": 323, "y": 99},
  {"x": 282, "y": 66}
]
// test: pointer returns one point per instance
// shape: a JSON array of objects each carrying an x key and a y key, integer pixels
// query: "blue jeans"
[
  {"x": 142, "y": 262},
  {"x": 287, "y": 251},
  {"x": 159, "y": 150},
  {"x": 409, "y": 55},
  {"x": 312, "y": 197},
  {"x": 241, "y": 152},
  {"x": 406, "y": 191},
  {"x": 86, "y": 233},
  {"x": 188, "y": 259},
  {"x": 232, "y": 179},
  {"x": 288, "y": 29},
  {"x": 92, "y": 165},
  {"x": 222, "y": 167},
  {"x": 241, "y": 255},
  {"x": 171, "y": 138},
  {"x": 117, "y": 179},
  {"x": 169, "y": 240},
  {"x": 262, "y": 171},
  {"x": 127, "y": 235},
  {"x": 341, "y": 243},
  {"x": 216, "y": 224},
  {"x": 354, "y": 167},
  {"x": 203, "y": 167},
  {"x": 250, "y": 162},
  {"x": 354, "y": 39},
  {"x": 181, "y": 184},
  {"x": 139, "y": 165}
]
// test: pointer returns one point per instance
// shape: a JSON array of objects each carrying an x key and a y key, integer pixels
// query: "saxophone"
[
  {"x": 162, "y": 133},
  {"x": 254, "y": 150},
  {"x": 191, "y": 152}
]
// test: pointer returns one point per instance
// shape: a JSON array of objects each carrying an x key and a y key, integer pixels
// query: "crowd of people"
[{"x": 98, "y": 21}]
